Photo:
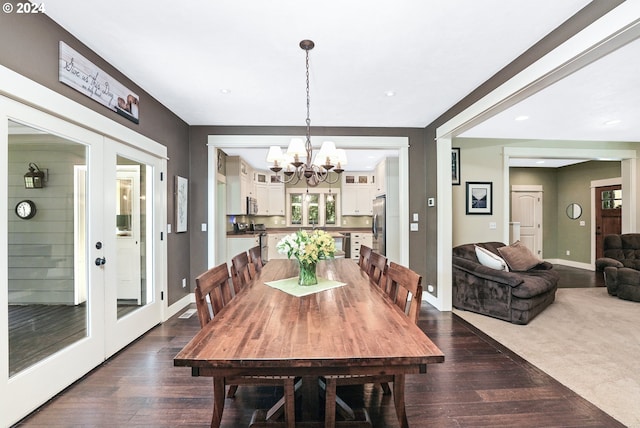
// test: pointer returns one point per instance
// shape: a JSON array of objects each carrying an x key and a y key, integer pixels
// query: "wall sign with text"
[{"x": 79, "y": 73}]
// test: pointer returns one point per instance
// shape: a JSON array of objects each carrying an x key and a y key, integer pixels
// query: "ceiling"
[{"x": 380, "y": 64}]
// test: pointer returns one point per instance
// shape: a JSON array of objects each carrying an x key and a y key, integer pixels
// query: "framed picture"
[
  {"x": 479, "y": 197},
  {"x": 181, "y": 201},
  {"x": 455, "y": 166}
]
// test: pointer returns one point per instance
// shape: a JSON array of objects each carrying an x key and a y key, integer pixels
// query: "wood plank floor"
[{"x": 481, "y": 384}]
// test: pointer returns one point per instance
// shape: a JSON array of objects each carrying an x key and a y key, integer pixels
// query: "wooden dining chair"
[
  {"x": 215, "y": 284},
  {"x": 363, "y": 261},
  {"x": 240, "y": 271},
  {"x": 255, "y": 257},
  {"x": 377, "y": 268},
  {"x": 404, "y": 288}
]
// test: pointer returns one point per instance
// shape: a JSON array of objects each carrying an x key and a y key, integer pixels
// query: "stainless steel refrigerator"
[{"x": 378, "y": 226}]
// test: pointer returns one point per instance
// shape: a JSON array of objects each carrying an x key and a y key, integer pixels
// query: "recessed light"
[
  {"x": 540, "y": 162},
  {"x": 225, "y": 91},
  {"x": 390, "y": 93},
  {"x": 521, "y": 118},
  {"x": 612, "y": 122}
]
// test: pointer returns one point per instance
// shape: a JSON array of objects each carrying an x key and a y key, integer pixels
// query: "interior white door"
[
  {"x": 132, "y": 183},
  {"x": 526, "y": 209}
]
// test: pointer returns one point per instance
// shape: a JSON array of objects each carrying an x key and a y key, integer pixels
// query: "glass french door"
[{"x": 78, "y": 260}]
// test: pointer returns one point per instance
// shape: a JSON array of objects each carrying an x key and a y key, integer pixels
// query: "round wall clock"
[{"x": 26, "y": 209}]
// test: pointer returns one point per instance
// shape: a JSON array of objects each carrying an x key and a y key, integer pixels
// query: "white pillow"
[{"x": 488, "y": 259}]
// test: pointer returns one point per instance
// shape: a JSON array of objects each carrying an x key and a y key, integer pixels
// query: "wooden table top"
[{"x": 345, "y": 330}]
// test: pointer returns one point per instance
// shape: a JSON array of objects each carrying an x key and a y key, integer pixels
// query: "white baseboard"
[
  {"x": 571, "y": 263},
  {"x": 179, "y": 305}
]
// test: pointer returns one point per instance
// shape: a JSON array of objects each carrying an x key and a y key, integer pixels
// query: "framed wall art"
[
  {"x": 455, "y": 166},
  {"x": 181, "y": 201},
  {"x": 479, "y": 197}
]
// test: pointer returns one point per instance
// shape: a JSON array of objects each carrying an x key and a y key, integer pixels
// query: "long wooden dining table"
[{"x": 349, "y": 330}]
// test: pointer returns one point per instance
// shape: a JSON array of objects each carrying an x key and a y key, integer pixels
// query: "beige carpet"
[{"x": 588, "y": 341}]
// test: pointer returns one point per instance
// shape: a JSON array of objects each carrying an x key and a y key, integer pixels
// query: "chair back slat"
[
  {"x": 240, "y": 271},
  {"x": 215, "y": 284},
  {"x": 363, "y": 262},
  {"x": 377, "y": 268},
  {"x": 255, "y": 257},
  {"x": 405, "y": 289}
]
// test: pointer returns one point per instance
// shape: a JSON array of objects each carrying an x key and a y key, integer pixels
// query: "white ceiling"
[{"x": 430, "y": 54}]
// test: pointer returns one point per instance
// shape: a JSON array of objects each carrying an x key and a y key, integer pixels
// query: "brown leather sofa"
[
  {"x": 621, "y": 265},
  {"x": 516, "y": 297}
]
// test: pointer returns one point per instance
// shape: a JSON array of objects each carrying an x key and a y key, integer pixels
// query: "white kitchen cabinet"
[
  {"x": 238, "y": 244},
  {"x": 270, "y": 195},
  {"x": 272, "y": 242},
  {"x": 356, "y": 193},
  {"x": 239, "y": 185},
  {"x": 358, "y": 239}
]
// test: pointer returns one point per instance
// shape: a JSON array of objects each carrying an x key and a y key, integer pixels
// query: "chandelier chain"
[{"x": 308, "y": 120}]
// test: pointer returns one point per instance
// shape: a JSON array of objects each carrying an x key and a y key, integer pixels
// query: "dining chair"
[
  {"x": 240, "y": 271},
  {"x": 255, "y": 257},
  {"x": 377, "y": 268},
  {"x": 215, "y": 284},
  {"x": 363, "y": 261},
  {"x": 404, "y": 288}
]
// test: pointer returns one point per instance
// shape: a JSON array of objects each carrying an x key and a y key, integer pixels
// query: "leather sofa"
[
  {"x": 621, "y": 265},
  {"x": 516, "y": 297}
]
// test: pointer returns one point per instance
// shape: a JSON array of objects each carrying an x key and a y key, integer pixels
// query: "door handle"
[{"x": 100, "y": 261}]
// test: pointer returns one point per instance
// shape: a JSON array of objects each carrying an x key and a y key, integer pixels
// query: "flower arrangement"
[{"x": 308, "y": 249}]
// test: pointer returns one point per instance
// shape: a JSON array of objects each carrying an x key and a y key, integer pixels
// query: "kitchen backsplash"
[{"x": 272, "y": 222}]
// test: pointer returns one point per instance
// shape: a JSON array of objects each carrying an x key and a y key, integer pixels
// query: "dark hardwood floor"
[{"x": 481, "y": 384}]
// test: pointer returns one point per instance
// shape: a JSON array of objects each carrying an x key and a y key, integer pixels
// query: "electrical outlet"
[
  {"x": 366, "y": 221},
  {"x": 184, "y": 282},
  {"x": 568, "y": 252}
]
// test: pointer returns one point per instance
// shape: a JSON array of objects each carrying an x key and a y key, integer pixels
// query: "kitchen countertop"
[{"x": 336, "y": 233}]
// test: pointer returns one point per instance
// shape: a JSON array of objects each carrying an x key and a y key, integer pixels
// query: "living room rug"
[{"x": 587, "y": 340}]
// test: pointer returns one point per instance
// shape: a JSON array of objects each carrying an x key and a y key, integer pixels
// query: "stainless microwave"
[{"x": 252, "y": 206}]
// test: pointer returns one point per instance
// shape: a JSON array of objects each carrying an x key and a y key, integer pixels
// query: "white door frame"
[{"x": 608, "y": 33}]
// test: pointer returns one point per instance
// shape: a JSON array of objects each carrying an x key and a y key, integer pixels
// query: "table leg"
[
  {"x": 398, "y": 398},
  {"x": 218, "y": 401},
  {"x": 330, "y": 403},
  {"x": 310, "y": 400}
]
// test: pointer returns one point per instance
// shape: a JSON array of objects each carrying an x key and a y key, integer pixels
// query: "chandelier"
[{"x": 298, "y": 160}]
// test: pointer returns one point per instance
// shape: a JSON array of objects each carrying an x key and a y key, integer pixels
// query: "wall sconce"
[{"x": 34, "y": 178}]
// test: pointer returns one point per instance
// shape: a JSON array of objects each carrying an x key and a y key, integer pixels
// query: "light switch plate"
[
  {"x": 431, "y": 202},
  {"x": 416, "y": 217},
  {"x": 493, "y": 225},
  {"x": 414, "y": 227},
  {"x": 204, "y": 227},
  {"x": 169, "y": 228}
]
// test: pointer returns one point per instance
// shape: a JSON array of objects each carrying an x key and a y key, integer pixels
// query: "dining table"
[{"x": 346, "y": 327}]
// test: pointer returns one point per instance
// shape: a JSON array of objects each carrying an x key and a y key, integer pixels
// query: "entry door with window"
[
  {"x": 608, "y": 214},
  {"x": 62, "y": 314}
]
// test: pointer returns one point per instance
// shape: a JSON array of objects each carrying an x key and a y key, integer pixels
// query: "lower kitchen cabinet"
[
  {"x": 358, "y": 239},
  {"x": 272, "y": 242},
  {"x": 236, "y": 245}
]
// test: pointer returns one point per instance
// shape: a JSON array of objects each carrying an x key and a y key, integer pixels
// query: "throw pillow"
[
  {"x": 488, "y": 259},
  {"x": 519, "y": 257}
]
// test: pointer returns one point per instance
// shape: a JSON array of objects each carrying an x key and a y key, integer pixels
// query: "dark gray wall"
[{"x": 29, "y": 46}]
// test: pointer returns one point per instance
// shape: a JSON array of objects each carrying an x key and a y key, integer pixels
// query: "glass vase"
[{"x": 307, "y": 274}]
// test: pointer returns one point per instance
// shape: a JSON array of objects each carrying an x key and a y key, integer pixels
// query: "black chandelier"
[{"x": 315, "y": 170}]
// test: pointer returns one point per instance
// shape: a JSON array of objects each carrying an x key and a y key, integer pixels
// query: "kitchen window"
[{"x": 313, "y": 207}]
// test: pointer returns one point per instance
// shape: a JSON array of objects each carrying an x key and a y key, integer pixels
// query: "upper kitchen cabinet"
[
  {"x": 386, "y": 176},
  {"x": 270, "y": 194},
  {"x": 357, "y": 193},
  {"x": 239, "y": 185}
]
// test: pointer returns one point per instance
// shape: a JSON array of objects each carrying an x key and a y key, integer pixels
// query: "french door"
[{"x": 78, "y": 277}]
